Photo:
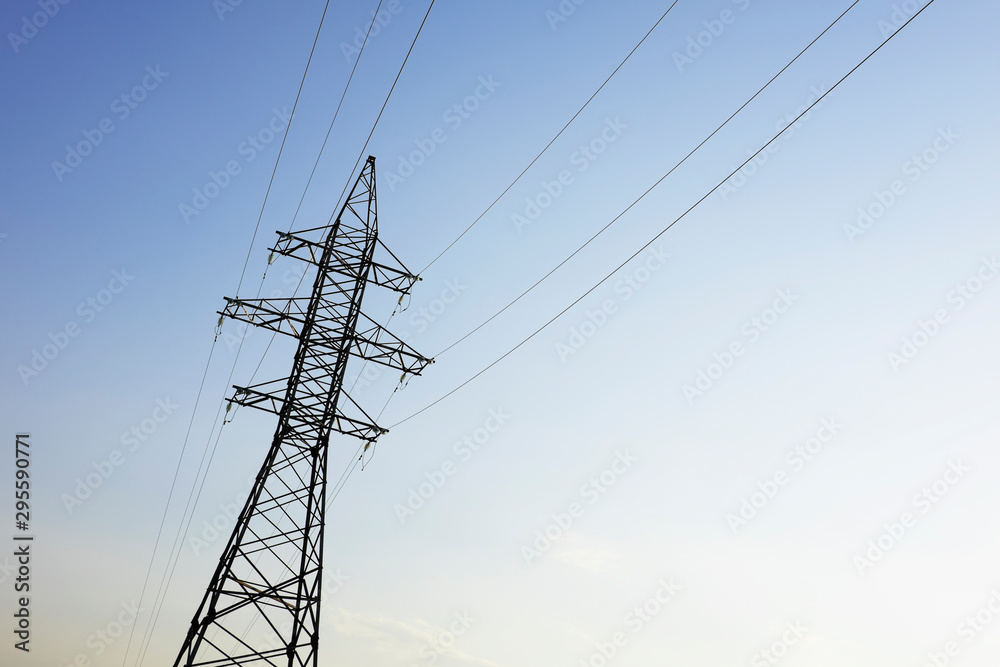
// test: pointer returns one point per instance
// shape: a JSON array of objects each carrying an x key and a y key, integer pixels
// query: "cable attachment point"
[
  {"x": 404, "y": 380},
  {"x": 400, "y": 308},
  {"x": 368, "y": 445}
]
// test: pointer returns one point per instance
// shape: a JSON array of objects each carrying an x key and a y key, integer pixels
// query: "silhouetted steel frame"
[{"x": 306, "y": 415}]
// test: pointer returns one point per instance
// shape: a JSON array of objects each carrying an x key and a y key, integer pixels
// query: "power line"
[
  {"x": 525, "y": 170},
  {"x": 335, "y": 115},
  {"x": 530, "y": 164},
  {"x": 552, "y": 141},
  {"x": 372, "y": 132},
  {"x": 362, "y": 153},
  {"x": 662, "y": 178},
  {"x": 173, "y": 485},
  {"x": 166, "y": 583},
  {"x": 205, "y": 374},
  {"x": 283, "y": 485},
  {"x": 176, "y": 548},
  {"x": 386, "y": 102},
  {"x": 240, "y": 284},
  {"x": 283, "y": 139},
  {"x": 665, "y": 229}
]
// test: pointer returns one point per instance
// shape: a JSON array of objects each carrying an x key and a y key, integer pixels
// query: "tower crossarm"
[
  {"x": 270, "y": 397},
  {"x": 285, "y": 316},
  {"x": 346, "y": 260},
  {"x": 363, "y": 426},
  {"x": 392, "y": 275},
  {"x": 374, "y": 342},
  {"x": 266, "y": 396}
]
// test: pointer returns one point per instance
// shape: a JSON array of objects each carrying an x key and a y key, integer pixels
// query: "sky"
[{"x": 767, "y": 436}]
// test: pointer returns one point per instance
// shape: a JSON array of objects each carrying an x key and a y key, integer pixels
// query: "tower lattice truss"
[{"x": 262, "y": 606}]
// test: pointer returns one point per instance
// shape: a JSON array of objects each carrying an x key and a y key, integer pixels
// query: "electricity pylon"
[{"x": 272, "y": 567}]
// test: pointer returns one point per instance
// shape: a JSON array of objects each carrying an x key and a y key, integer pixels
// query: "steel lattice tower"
[{"x": 272, "y": 566}]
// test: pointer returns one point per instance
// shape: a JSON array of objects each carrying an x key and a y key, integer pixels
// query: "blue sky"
[{"x": 852, "y": 270}]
